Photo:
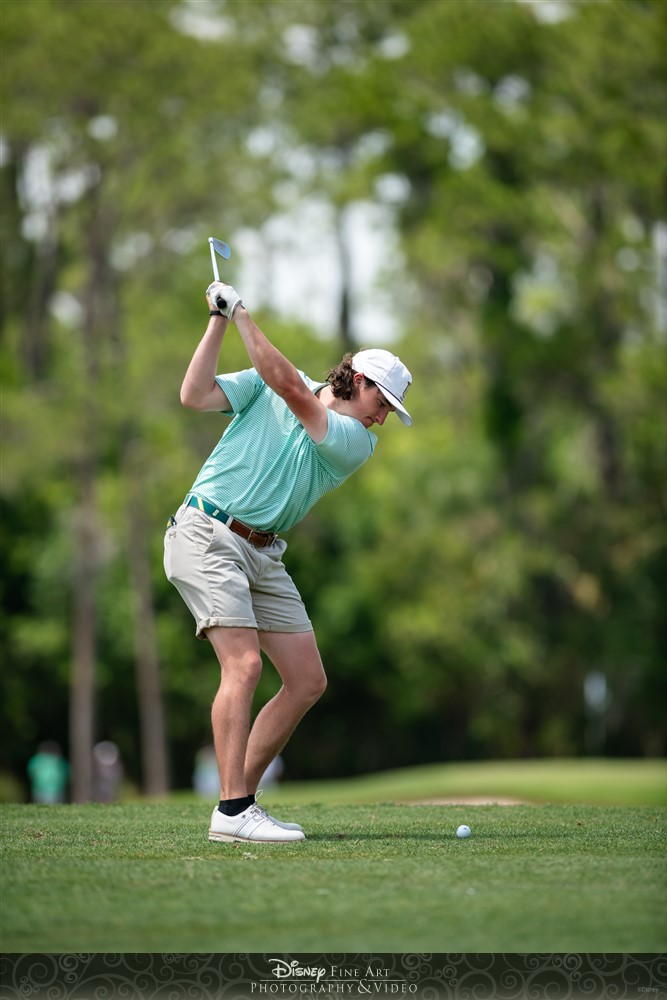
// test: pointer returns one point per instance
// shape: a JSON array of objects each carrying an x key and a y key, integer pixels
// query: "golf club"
[{"x": 218, "y": 248}]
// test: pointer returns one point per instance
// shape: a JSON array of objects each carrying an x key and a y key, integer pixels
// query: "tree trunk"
[
  {"x": 86, "y": 565},
  {"x": 82, "y": 683},
  {"x": 151, "y": 713},
  {"x": 345, "y": 308}
]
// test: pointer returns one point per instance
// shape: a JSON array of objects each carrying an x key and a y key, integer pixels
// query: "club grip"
[{"x": 220, "y": 302}]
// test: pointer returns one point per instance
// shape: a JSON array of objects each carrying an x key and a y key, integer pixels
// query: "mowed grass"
[
  {"x": 376, "y": 877},
  {"x": 594, "y": 781}
]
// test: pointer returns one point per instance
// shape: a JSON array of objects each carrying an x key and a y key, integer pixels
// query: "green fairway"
[
  {"x": 376, "y": 877},
  {"x": 638, "y": 782}
]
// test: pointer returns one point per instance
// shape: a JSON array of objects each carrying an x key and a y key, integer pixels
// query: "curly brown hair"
[{"x": 341, "y": 378}]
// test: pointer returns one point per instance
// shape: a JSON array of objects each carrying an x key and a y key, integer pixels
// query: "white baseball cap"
[{"x": 390, "y": 376}]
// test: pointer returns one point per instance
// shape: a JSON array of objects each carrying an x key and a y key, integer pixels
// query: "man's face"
[{"x": 369, "y": 405}]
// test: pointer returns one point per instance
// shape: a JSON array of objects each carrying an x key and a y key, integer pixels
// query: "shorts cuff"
[
  {"x": 205, "y": 623},
  {"x": 304, "y": 627}
]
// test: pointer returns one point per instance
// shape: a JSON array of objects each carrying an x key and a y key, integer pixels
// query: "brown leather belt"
[{"x": 260, "y": 539}]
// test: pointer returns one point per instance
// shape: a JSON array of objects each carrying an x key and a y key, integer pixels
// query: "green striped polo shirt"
[{"x": 265, "y": 469}]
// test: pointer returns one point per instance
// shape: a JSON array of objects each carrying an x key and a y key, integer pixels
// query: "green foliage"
[{"x": 468, "y": 579}]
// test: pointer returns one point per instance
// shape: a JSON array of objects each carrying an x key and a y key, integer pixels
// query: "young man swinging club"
[{"x": 291, "y": 440}]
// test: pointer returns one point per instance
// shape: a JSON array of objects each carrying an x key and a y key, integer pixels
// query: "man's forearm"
[
  {"x": 274, "y": 368},
  {"x": 199, "y": 379}
]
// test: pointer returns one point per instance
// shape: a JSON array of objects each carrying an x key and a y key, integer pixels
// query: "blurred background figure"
[
  {"x": 48, "y": 772},
  {"x": 205, "y": 780},
  {"x": 107, "y": 772}
]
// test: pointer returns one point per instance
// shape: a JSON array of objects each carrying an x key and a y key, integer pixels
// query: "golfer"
[{"x": 291, "y": 440}]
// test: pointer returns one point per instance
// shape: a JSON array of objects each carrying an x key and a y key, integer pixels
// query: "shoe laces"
[
  {"x": 258, "y": 793},
  {"x": 261, "y": 809},
  {"x": 261, "y": 813}
]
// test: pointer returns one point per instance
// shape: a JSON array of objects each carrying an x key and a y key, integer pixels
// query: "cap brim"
[{"x": 401, "y": 412}]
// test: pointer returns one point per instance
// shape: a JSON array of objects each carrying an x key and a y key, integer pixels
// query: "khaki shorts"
[{"x": 224, "y": 580}]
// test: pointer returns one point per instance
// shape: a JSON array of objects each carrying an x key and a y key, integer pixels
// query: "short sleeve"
[
  {"x": 240, "y": 388},
  {"x": 347, "y": 445}
]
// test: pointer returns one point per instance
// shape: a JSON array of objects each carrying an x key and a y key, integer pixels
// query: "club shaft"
[{"x": 214, "y": 261}]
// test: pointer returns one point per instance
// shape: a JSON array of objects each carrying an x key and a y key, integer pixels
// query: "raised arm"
[
  {"x": 199, "y": 390},
  {"x": 274, "y": 368},
  {"x": 280, "y": 375}
]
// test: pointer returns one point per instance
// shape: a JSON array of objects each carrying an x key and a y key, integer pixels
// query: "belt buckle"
[{"x": 265, "y": 538}]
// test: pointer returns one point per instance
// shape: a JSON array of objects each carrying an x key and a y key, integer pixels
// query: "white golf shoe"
[
  {"x": 285, "y": 826},
  {"x": 254, "y": 825}
]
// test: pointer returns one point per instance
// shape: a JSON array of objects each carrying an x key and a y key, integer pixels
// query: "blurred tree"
[
  {"x": 538, "y": 246},
  {"x": 99, "y": 152},
  {"x": 468, "y": 580}
]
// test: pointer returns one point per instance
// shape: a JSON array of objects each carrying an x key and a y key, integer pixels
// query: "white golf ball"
[{"x": 463, "y": 831}]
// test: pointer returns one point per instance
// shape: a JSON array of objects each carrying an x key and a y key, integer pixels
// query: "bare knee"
[
  {"x": 247, "y": 668},
  {"x": 241, "y": 670},
  {"x": 319, "y": 687},
  {"x": 310, "y": 687},
  {"x": 238, "y": 654},
  {"x": 297, "y": 660}
]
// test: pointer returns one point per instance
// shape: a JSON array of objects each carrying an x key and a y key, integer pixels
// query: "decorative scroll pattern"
[{"x": 305, "y": 976}]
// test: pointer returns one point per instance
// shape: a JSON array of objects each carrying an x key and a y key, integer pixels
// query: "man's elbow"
[{"x": 189, "y": 399}]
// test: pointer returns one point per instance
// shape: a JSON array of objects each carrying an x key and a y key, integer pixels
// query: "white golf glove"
[{"x": 223, "y": 297}]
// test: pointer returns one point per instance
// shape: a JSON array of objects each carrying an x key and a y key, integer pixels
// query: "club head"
[{"x": 222, "y": 249}]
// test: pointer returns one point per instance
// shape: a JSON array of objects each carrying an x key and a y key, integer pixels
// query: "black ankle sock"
[{"x": 232, "y": 807}]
